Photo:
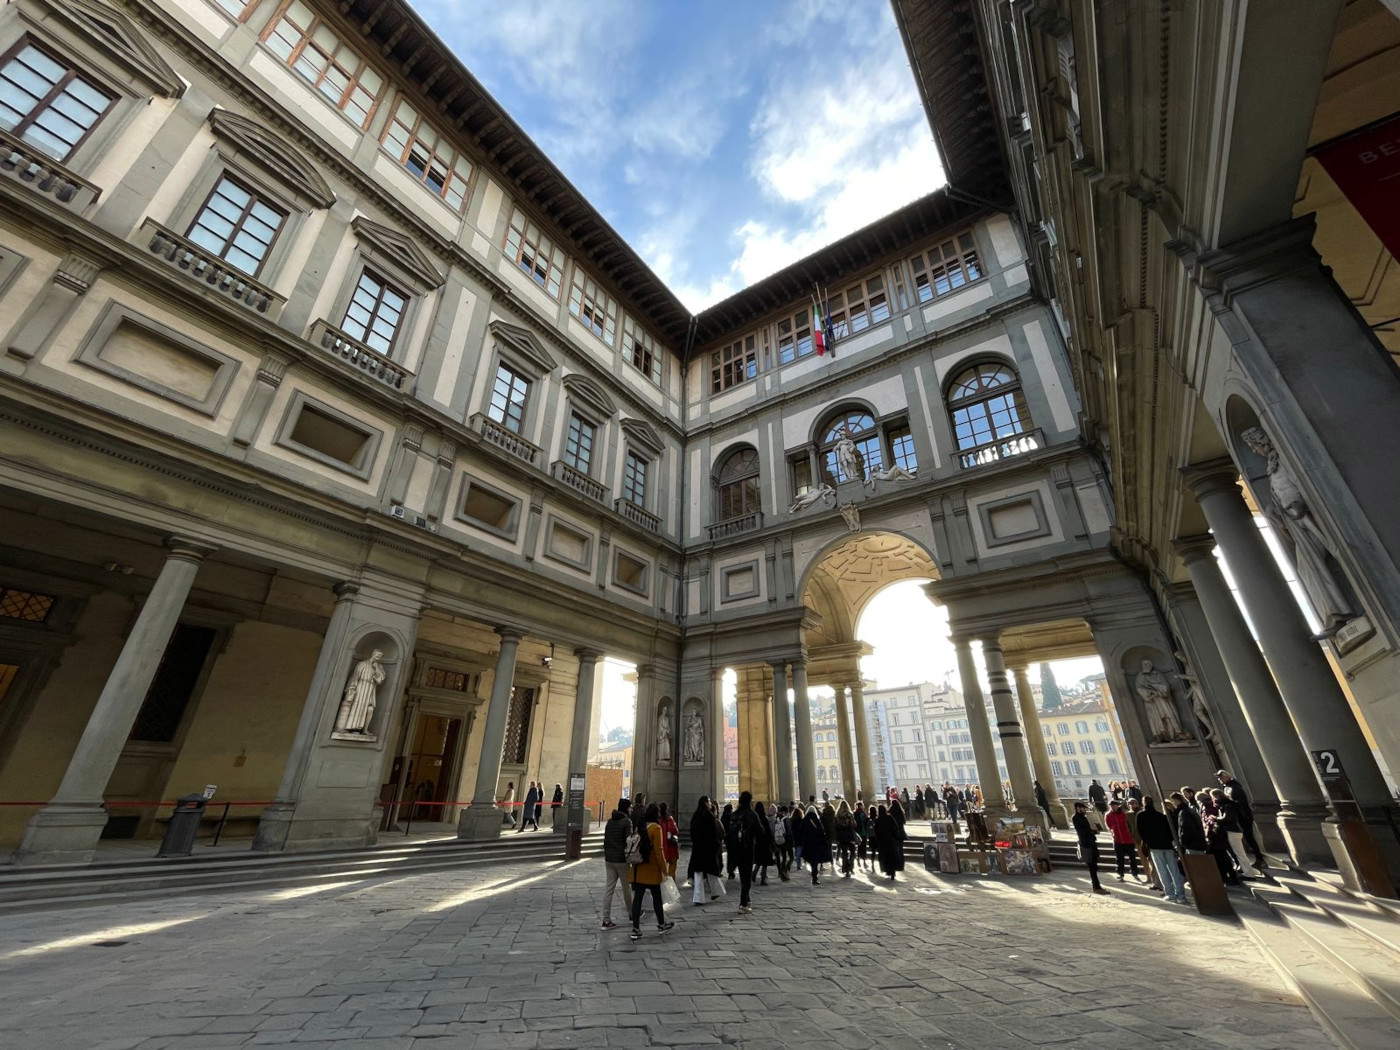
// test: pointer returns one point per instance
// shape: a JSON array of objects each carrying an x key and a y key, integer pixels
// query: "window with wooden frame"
[
  {"x": 945, "y": 267},
  {"x": 509, "y": 394},
  {"x": 427, "y": 155},
  {"x": 736, "y": 485},
  {"x": 734, "y": 364},
  {"x": 235, "y": 9},
  {"x": 795, "y": 337},
  {"x": 578, "y": 443},
  {"x": 534, "y": 253},
  {"x": 237, "y": 225},
  {"x": 986, "y": 404},
  {"x": 639, "y": 350},
  {"x": 303, "y": 40},
  {"x": 857, "y": 308},
  {"x": 46, "y": 102},
  {"x": 634, "y": 479},
  {"x": 375, "y": 312},
  {"x": 593, "y": 306}
]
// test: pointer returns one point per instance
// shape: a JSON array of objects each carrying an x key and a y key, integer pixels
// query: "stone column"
[
  {"x": 644, "y": 730},
  {"x": 802, "y": 710},
  {"x": 715, "y": 744},
  {"x": 66, "y": 830},
  {"x": 782, "y": 734},
  {"x": 1013, "y": 745},
  {"x": 1035, "y": 744},
  {"x": 482, "y": 820},
  {"x": 843, "y": 742},
  {"x": 989, "y": 779},
  {"x": 1265, "y": 717},
  {"x": 867, "y": 757},
  {"x": 1310, "y": 690},
  {"x": 580, "y": 741}
]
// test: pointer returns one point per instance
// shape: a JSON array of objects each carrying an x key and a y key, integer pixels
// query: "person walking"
[
  {"x": 648, "y": 869},
  {"x": 558, "y": 799},
  {"x": 1042, "y": 800},
  {"x": 671, "y": 838},
  {"x": 782, "y": 840},
  {"x": 508, "y": 801},
  {"x": 828, "y": 813},
  {"x": 744, "y": 836},
  {"x": 952, "y": 803},
  {"x": 846, "y": 838},
  {"x": 763, "y": 846},
  {"x": 615, "y": 861},
  {"x": 889, "y": 840},
  {"x": 1235, "y": 791},
  {"x": 1124, "y": 848},
  {"x": 1156, "y": 831},
  {"x": 726, "y": 820},
  {"x": 816, "y": 847},
  {"x": 1133, "y": 811},
  {"x": 527, "y": 813},
  {"x": 862, "y": 822},
  {"x": 1098, "y": 797},
  {"x": 706, "y": 864},
  {"x": 795, "y": 833},
  {"x": 1088, "y": 843}
]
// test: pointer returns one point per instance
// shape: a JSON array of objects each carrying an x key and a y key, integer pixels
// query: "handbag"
[{"x": 670, "y": 892}]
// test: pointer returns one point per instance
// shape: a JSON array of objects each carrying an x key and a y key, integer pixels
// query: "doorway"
[{"x": 430, "y": 757}]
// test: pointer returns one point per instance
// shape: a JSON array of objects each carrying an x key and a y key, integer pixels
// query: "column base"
[
  {"x": 62, "y": 833},
  {"x": 1303, "y": 830},
  {"x": 281, "y": 830},
  {"x": 1359, "y": 860},
  {"x": 1059, "y": 815},
  {"x": 1267, "y": 829},
  {"x": 479, "y": 823}
]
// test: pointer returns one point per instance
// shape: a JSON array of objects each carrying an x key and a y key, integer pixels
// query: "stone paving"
[{"x": 512, "y": 956}]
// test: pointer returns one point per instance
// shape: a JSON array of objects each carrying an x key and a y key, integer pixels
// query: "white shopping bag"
[{"x": 670, "y": 892}]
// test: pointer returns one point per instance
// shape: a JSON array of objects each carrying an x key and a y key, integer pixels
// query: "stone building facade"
[{"x": 340, "y": 438}]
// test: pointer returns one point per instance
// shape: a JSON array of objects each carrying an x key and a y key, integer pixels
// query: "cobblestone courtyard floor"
[{"x": 512, "y": 956}]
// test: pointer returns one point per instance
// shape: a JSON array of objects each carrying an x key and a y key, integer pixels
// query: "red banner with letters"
[{"x": 1366, "y": 167}]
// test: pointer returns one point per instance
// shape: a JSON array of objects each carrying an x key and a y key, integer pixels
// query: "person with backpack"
[
  {"x": 615, "y": 834},
  {"x": 782, "y": 841},
  {"x": 745, "y": 836},
  {"x": 706, "y": 863},
  {"x": 646, "y": 853}
]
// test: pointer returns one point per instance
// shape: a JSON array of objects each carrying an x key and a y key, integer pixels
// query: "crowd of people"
[
  {"x": 1148, "y": 841},
  {"x": 641, "y": 849}
]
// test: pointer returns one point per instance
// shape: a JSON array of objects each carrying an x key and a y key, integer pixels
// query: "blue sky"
[{"x": 724, "y": 140}]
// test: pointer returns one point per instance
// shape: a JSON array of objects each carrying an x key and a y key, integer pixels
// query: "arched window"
[
  {"x": 860, "y": 427},
  {"x": 737, "y": 482},
  {"x": 988, "y": 410}
]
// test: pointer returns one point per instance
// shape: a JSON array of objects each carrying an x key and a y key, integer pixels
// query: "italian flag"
[{"x": 818, "y": 329}]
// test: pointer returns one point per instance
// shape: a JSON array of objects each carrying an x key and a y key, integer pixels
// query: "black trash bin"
[{"x": 183, "y": 827}]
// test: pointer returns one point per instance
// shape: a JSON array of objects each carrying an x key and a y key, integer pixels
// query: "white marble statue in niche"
[
  {"x": 693, "y": 745},
  {"x": 361, "y": 696},
  {"x": 1163, "y": 722},
  {"x": 1197, "y": 699},
  {"x": 663, "y": 736},
  {"x": 1290, "y": 515}
]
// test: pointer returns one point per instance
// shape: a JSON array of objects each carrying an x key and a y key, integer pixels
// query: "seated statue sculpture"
[{"x": 894, "y": 473}]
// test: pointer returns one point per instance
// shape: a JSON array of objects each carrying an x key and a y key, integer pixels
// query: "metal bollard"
[{"x": 180, "y": 832}]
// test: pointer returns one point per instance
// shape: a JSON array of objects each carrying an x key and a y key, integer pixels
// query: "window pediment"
[
  {"x": 590, "y": 393},
  {"x": 274, "y": 154},
  {"x": 643, "y": 434},
  {"x": 524, "y": 343},
  {"x": 115, "y": 33},
  {"x": 400, "y": 250}
]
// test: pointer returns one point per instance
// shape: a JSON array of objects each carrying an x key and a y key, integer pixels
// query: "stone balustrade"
[
  {"x": 31, "y": 166},
  {"x": 579, "y": 481},
  {"x": 734, "y": 526},
  {"x": 1005, "y": 448},
  {"x": 508, "y": 441},
  {"x": 360, "y": 357},
  {"x": 637, "y": 515},
  {"x": 206, "y": 267}
]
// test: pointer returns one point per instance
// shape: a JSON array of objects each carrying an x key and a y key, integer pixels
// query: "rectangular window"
[
  {"x": 1086, "y": 746},
  {"x": 313, "y": 49},
  {"x": 535, "y": 254},
  {"x": 517, "y": 740},
  {"x": 1050, "y": 748},
  {"x": 945, "y": 267},
  {"x": 801, "y": 467},
  {"x": 639, "y": 350},
  {"x": 858, "y": 307},
  {"x": 733, "y": 364},
  {"x": 578, "y": 445},
  {"x": 29, "y": 606},
  {"x": 237, "y": 225},
  {"x": 902, "y": 447},
  {"x": 427, "y": 155},
  {"x": 46, "y": 102},
  {"x": 593, "y": 306},
  {"x": 1062, "y": 728},
  {"x": 1082, "y": 728},
  {"x": 508, "y": 396},
  {"x": 233, "y": 8},
  {"x": 1106, "y": 746},
  {"x": 794, "y": 337},
  {"x": 374, "y": 313},
  {"x": 1113, "y": 766},
  {"x": 634, "y": 479}
]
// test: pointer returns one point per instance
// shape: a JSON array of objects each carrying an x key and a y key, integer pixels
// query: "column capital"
[
  {"x": 991, "y": 643},
  {"x": 588, "y": 656},
  {"x": 779, "y": 666},
  {"x": 188, "y": 549},
  {"x": 1211, "y": 477},
  {"x": 509, "y": 632},
  {"x": 1193, "y": 548},
  {"x": 345, "y": 590}
]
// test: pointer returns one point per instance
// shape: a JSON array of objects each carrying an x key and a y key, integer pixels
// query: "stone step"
[
  {"x": 1364, "y": 915},
  {"x": 26, "y": 889},
  {"x": 1356, "y": 1022}
]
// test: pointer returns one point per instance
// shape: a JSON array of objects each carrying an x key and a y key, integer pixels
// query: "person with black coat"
[
  {"x": 1236, "y": 793},
  {"x": 1042, "y": 800},
  {"x": 1190, "y": 832},
  {"x": 1088, "y": 836},
  {"x": 816, "y": 847},
  {"x": 1098, "y": 796},
  {"x": 615, "y": 834},
  {"x": 889, "y": 840},
  {"x": 745, "y": 835},
  {"x": 726, "y": 820},
  {"x": 763, "y": 847},
  {"x": 1158, "y": 838},
  {"x": 705, "y": 836}
]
